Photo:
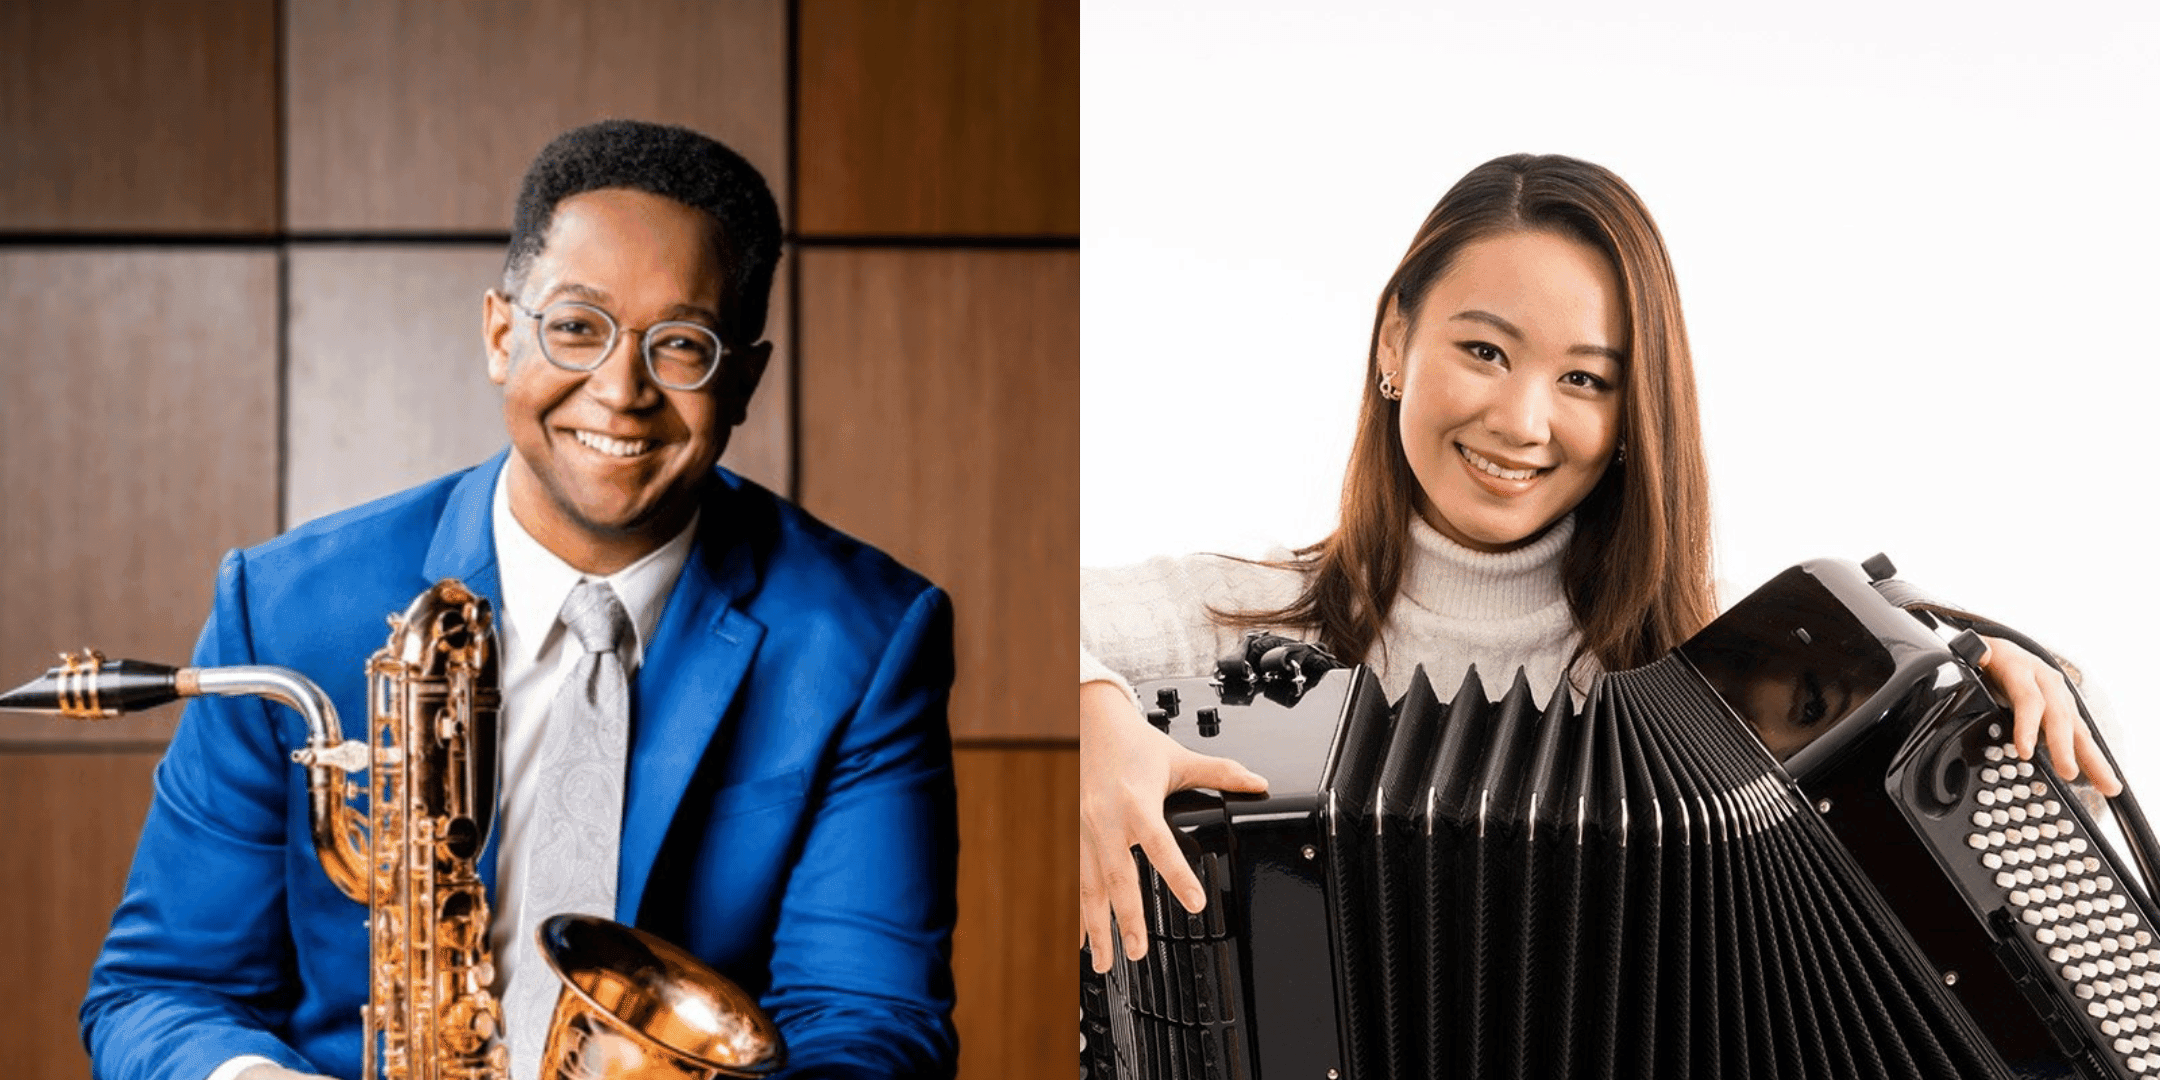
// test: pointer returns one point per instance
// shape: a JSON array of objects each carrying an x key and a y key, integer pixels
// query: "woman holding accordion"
[{"x": 1526, "y": 488}]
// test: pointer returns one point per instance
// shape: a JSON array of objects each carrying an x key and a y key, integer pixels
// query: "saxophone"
[{"x": 631, "y": 1004}]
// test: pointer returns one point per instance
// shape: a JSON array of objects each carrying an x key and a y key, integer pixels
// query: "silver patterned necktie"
[{"x": 571, "y": 846}]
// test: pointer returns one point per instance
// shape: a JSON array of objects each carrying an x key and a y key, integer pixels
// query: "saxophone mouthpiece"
[{"x": 86, "y": 686}]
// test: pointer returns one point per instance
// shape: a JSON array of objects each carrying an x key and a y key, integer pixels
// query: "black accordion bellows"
[
  {"x": 1636, "y": 886},
  {"x": 1530, "y": 925}
]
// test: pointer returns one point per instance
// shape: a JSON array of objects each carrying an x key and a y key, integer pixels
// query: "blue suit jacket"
[{"x": 788, "y": 816}]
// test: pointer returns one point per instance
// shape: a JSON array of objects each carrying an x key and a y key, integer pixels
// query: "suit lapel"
[
  {"x": 693, "y": 668},
  {"x": 464, "y": 548},
  {"x": 464, "y": 542}
]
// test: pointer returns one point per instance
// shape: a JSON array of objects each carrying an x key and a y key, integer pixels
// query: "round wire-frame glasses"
[{"x": 577, "y": 336}]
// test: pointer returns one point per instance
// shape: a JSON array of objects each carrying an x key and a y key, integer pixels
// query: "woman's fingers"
[
  {"x": 1192, "y": 770},
  {"x": 1095, "y": 907},
  {"x": 2042, "y": 706},
  {"x": 1168, "y": 859},
  {"x": 1110, "y": 883},
  {"x": 2061, "y": 720},
  {"x": 1127, "y": 769},
  {"x": 2027, "y": 705},
  {"x": 2096, "y": 764},
  {"x": 1118, "y": 883},
  {"x": 1122, "y": 760}
]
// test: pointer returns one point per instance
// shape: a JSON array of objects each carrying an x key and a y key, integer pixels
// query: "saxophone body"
[
  {"x": 631, "y": 1005},
  {"x": 434, "y": 707}
]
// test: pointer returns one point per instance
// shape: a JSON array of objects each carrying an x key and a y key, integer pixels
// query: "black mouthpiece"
[{"x": 88, "y": 685}]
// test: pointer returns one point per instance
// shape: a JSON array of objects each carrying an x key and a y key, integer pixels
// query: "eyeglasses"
[{"x": 577, "y": 336}]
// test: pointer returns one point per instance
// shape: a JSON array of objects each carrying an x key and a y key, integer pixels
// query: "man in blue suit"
[{"x": 786, "y": 798}]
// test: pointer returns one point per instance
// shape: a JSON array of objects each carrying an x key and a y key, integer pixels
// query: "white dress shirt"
[
  {"x": 535, "y": 661},
  {"x": 529, "y": 627}
]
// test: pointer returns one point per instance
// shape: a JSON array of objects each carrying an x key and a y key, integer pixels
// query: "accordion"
[{"x": 1800, "y": 845}]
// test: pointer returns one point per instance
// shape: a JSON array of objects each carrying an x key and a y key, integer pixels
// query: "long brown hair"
[{"x": 1637, "y": 572}]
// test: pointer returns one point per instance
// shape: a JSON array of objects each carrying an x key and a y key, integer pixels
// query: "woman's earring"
[
  {"x": 1619, "y": 454},
  {"x": 1387, "y": 386}
]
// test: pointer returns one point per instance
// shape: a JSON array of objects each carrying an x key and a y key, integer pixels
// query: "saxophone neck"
[
  {"x": 282, "y": 685},
  {"x": 87, "y": 686},
  {"x": 328, "y": 756}
]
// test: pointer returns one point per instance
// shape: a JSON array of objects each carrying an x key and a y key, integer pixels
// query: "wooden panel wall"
[
  {"x": 387, "y": 382},
  {"x": 131, "y": 117},
  {"x": 960, "y": 118},
  {"x": 139, "y": 437},
  {"x": 1018, "y": 931},
  {"x": 138, "y": 443},
  {"x": 71, "y": 820},
  {"x": 246, "y": 372},
  {"x": 422, "y": 114}
]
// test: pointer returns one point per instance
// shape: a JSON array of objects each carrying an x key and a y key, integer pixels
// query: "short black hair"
[{"x": 672, "y": 162}]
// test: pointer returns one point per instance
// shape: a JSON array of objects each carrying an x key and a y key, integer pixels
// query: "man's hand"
[
  {"x": 2041, "y": 704},
  {"x": 1126, "y": 769},
  {"x": 275, "y": 1072}
]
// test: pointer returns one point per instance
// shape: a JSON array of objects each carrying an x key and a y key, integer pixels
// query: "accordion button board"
[
  {"x": 2066, "y": 922},
  {"x": 1741, "y": 860}
]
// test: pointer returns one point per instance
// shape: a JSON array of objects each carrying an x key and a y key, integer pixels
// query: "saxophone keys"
[{"x": 468, "y": 1024}]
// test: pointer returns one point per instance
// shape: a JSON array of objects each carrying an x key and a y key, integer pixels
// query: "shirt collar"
[{"x": 536, "y": 581}]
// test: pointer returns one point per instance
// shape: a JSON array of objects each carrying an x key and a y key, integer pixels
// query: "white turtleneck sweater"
[{"x": 1456, "y": 607}]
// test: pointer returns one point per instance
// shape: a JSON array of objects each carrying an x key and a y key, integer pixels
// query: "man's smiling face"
[{"x": 608, "y": 463}]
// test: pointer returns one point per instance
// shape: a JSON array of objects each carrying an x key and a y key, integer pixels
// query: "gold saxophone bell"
[{"x": 633, "y": 1005}]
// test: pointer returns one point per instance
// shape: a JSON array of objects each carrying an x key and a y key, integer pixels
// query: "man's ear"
[
  {"x": 739, "y": 376},
  {"x": 497, "y": 319}
]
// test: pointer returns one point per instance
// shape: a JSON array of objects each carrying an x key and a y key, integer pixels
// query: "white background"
[{"x": 1916, "y": 253}]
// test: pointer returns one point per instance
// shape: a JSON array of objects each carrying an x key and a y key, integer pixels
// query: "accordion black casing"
[{"x": 1800, "y": 845}]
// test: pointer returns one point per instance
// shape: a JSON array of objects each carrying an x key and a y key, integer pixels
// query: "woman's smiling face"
[{"x": 1511, "y": 383}]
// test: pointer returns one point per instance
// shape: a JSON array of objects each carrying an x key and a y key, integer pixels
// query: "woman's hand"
[
  {"x": 1126, "y": 770},
  {"x": 2041, "y": 704}
]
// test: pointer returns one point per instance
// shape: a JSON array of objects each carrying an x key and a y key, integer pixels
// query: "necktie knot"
[{"x": 596, "y": 617}]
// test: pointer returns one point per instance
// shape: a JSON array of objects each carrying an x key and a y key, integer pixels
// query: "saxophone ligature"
[{"x": 631, "y": 1004}]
